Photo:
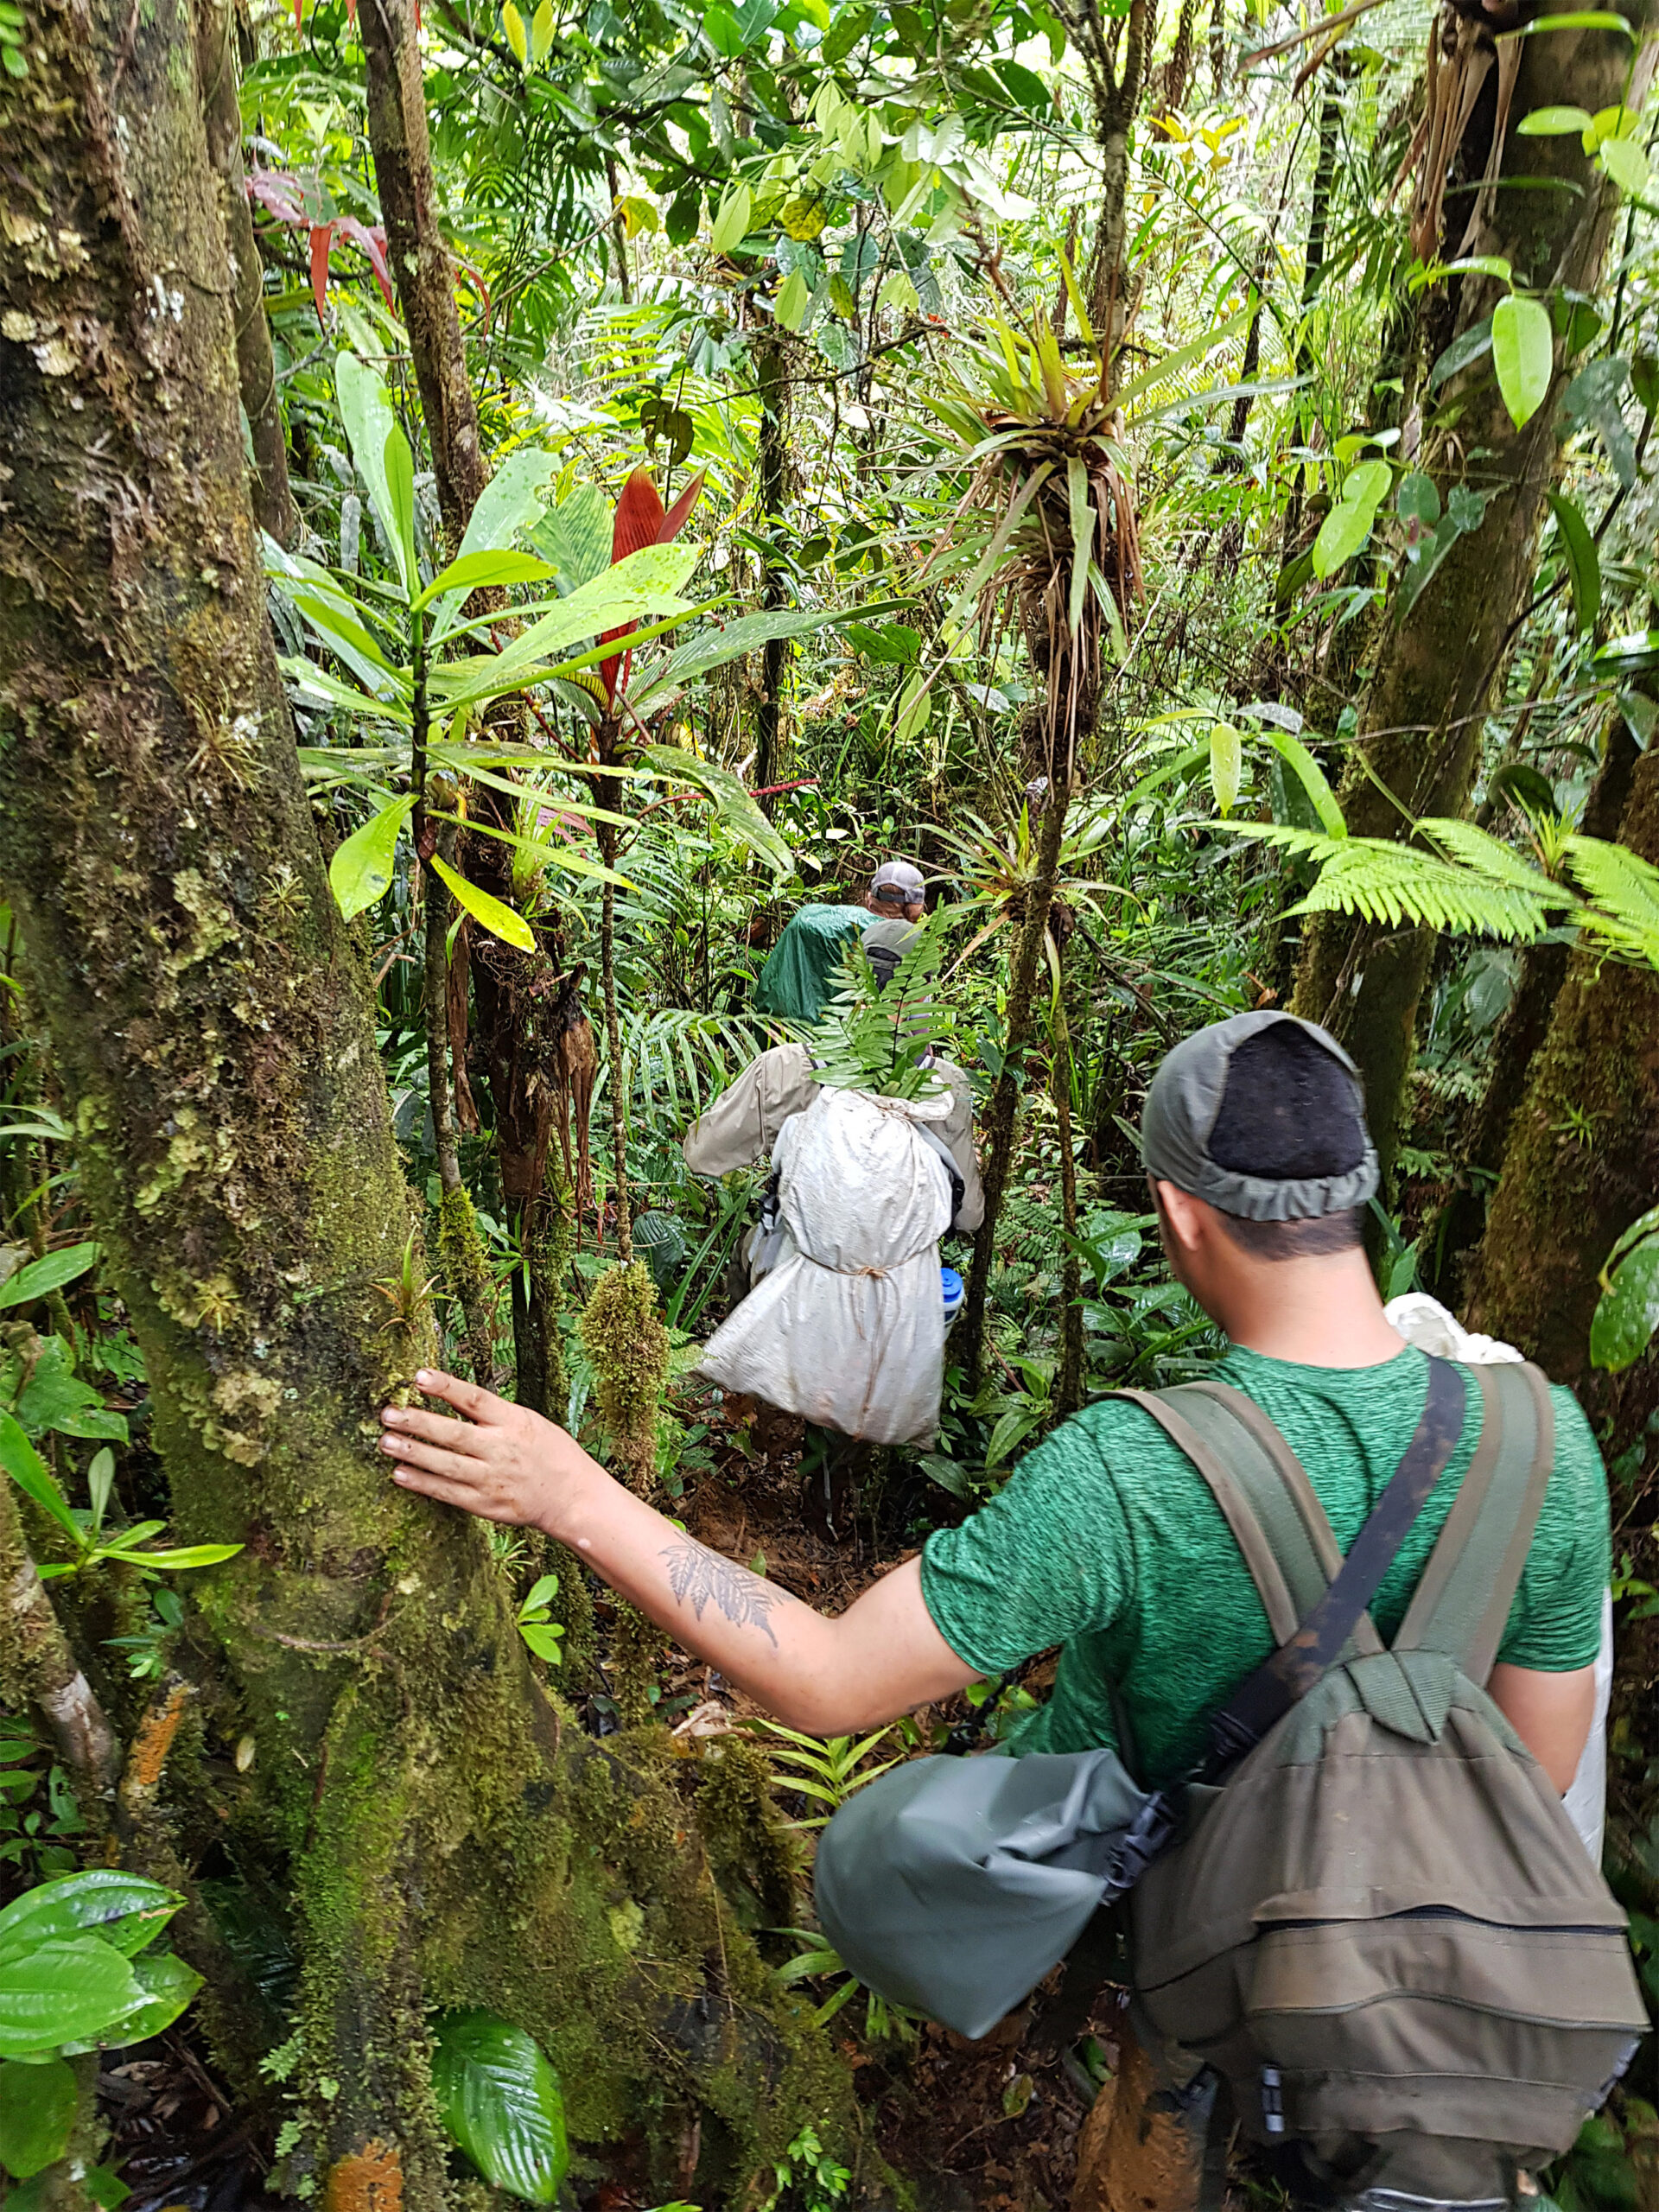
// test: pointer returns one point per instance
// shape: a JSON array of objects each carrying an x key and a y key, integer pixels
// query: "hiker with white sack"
[{"x": 845, "y": 1326}]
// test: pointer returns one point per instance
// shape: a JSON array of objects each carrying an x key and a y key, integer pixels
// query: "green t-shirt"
[
  {"x": 1107, "y": 1542},
  {"x": 796, "y": 979}
]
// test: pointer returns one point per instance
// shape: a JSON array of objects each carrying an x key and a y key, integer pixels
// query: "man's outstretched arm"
[{"x": 830, "y": 1677}]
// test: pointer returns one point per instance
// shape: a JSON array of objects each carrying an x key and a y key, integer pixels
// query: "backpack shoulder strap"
[
  {"x": 1277, "y": 1484},
  {"x": 1461, "y": 1604},
  {"x": 1283, "y": 1611}
]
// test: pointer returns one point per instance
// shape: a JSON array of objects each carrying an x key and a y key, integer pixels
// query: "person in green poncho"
[{"x": 798, "y": 976}]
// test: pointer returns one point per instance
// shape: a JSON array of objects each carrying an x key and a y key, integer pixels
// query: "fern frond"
[
  {"x": 1625, "y": 888},
  {"x": 1388, "y": 882},
  {"x": 1490, "y": 856},
  {"x": 875, "y": 1041}
]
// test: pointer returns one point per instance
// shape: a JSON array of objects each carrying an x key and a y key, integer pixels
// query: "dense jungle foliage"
[{"x": 499, "y": 506}]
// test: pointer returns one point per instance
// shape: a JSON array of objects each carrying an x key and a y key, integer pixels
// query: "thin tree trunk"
[
  {"x": 1004, "y": 1098},
  {"x": 1068, "y": 1389},
  {"x": 619, "y": 232},
  {"x": 1582, "y": 1161},
  {"x": 773, "y": 470},
  {"x": 1319, "y": 219},
  {"x": 37, "y": 1668},
  {"x": 273, "y": 502},
  {"x": 1422, "y": 718},
  {"x": 421, "y": 266},
  {"x": 448, "y": 1839}
]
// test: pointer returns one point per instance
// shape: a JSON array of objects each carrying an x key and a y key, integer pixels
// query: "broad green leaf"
[
  {"x": 575, "y": 536},
  {"x": 63, "y": 1991},
  {"x": 1523, "y": 355},
  {"x": 507, "y": 508},
  {"x": 105, "y": 2187},
  {"x": 361, "y": 871},
  {"x": 1226, "y": 765},
  {"x": 37, "y": 2110},
  {"x": 1472, "y": 265},
  {"x": 501, "y": 2101},
  {"x": 36, "y": 1277},
  {"x": 27, "y": 1469},
  {"x": 645, "y": 583},
  {"x": 1553, "y": 121},
  {"x": 399, "y": 464},
  {"x": 850, "y": 25},
  {"x": 542, "y": 1594},
  {"x": 915, "y": 704},
  {"x": 543, "y": 1640},
  {"x": 541, "y": 32},
  {"x": 125, "y": 1910},
  {"x": 1583, "y": 561},
  {"x": 485, "y": 570},
  {"x": 366, "y": 412},
  {"x": 1627, "y": 1312},
  {"x": 55, "y": 1397},
  {"x": 1418, "y": 499},
  {"x": 793, "y": 301},
  {"x": 732, "y": 223},
  {"x": 1625, "y": 162},
  {"x": 1637, "y": 653},
  {"x": 166, "y": 1985},
  {"x": 1311, "y": 776},
  {"x": 1012, "y": 1428},
  {"x": 513, "y": 23},
  {"x": 733, "y": 805},
  {"x": 501, "y": 920},
  {"x": 1348, "y": 525}
]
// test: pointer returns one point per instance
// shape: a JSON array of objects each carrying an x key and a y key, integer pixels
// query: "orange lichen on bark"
[
  {"x": 154, "y": 1740},
  {"x": 372, "y": 2180}
]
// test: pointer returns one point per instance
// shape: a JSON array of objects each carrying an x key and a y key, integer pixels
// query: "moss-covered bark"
[
  {"x": 273, "y": 501},
  {"x": 1583, "y": 1158},
  {"x": 450, "y": 1836},
  {"x": 1551, "y": 220}
]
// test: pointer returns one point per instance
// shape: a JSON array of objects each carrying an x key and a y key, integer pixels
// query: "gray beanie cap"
[{"x": 1180, "y": 1113}]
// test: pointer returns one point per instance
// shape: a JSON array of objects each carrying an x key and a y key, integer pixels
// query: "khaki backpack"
[{"x": 1379, "y": 1927}]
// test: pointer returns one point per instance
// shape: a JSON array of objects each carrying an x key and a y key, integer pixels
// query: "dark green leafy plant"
[{"x": 501, "y": 2103}]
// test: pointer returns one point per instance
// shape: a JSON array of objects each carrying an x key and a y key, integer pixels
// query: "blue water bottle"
[{"x": 951, "y": 1290}]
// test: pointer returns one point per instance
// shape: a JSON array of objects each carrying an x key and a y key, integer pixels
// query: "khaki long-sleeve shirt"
[{"x": 742, "y": 1124}]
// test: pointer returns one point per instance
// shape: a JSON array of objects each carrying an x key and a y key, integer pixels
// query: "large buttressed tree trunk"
[
  {"x": 1550, "y": 217},
  {"x": 449, "y": 1835},
  {"x": 1582, "y": 1162}
]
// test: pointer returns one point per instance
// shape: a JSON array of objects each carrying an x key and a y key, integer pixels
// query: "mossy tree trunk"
[
  {"x": 772, "y": 374},
  {"x": 449, "y": 1836},
  {"x": 1551, "y": 219},
  {"x": 1582, "y": 1161},
  {"x": 216, "y": 64},
  {"x": 421, "y": 267}
]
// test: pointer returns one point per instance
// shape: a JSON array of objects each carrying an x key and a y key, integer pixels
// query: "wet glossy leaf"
[
  {"x": 1226, "y": 765},
  {"x": 361, "y": 871},
  {"x": 1583, "y": 562},
  {"x": 127, "y": 1912},
  {"x": 27, "y": 1470},
  {"x": 501, "y": 2101},
  {"x": 1523, "y": 355},
  {"x": 36, "y": 1277},
  {"x": 37, "y": 2110},
  {"x": 1628, "y": 1312},
  {"x": 501, "y": 920},
  {"x": 62, "y": 1991}
]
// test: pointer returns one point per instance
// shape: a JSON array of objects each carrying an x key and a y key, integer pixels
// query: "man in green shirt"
[
  {"x": 1106, "y": 1541},
  {"x": 799, "y": 973}
]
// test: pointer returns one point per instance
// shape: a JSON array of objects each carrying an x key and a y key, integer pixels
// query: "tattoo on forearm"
[{"x": 699, "y": 1577}]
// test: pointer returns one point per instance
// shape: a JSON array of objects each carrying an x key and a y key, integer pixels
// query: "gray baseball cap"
[
  {"x": 897, "y": 876},
  {"x": 1180, "y": 1114}
]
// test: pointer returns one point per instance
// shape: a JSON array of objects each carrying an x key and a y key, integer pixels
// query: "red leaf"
[
  {"x": 298, "y": 6},
  {"x": 320, "y": 234},
  {"x": 351, "y": 13},
  {"x": 638, "y": 516},
  {"x": 282, "y": 196},
  {"x": 373, "y": 243},
  {"x": 674, "y": 520}
]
